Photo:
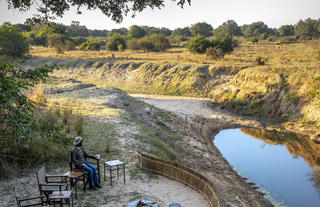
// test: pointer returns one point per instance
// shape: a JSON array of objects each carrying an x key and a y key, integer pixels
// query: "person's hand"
[{"x": 84, "y": 165}]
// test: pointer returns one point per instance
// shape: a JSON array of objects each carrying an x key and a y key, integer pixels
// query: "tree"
[
  {"x": 201, "y": 28},
  {"x": 76, "y": 30},
  {"x": 114, "y": 9},
  {"x": 199, "y": 44},
  {"x": 60, "y": 42},
  {"x": 231, "y": 27},
  {"x": 182, "y": 32},
  {"x": 136, "y": 32},
  {"x": 12, "y": 43},
  {"x": 307, "y": 29},
  {"x": 286, "y": 30},
  {"x": 256, "y": 29},
  {"x": 98, "y": 33},
  {"x": 114, "y": 43},
  {"x": 17, "y": 123},
  {"x": 121, "y": 31}
]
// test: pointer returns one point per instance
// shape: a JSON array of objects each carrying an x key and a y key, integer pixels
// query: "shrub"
[
  {"x": 60, "y": 42},
  {"x": 90, "y": 45},
  {"x": 199, "y": 44},
  {"x": 223, "y": 41},
  {"x": 159, "y": 42},
  {"x": 12, "y": 42},
  {"x": 133, "y": 44},
  {"x": 154, "y": 42},
  {"x": 114, "y": 42},
  {"x": 214, "y": 53},
  {"x": 79, "y": 40},
  {"x": 254, "y": 40},
  {"x": 263, "y": 36}
]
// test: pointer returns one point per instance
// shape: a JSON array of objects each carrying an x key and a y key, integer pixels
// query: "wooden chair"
[
  {"x": 95, "y": 162},
  {"x": 47, "y": 186},
  {"x": 38, "y": 201}
]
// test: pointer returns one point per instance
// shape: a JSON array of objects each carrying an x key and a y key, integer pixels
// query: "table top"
[
  {"x": 114, "y": 163},
  {"x": 63, "y": 195}
]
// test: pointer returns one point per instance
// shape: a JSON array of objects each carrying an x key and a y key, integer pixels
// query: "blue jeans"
[{"x": 92, "y": 170}]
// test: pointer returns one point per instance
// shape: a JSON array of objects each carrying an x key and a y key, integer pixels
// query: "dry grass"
[{"x": 293, "y": 55}]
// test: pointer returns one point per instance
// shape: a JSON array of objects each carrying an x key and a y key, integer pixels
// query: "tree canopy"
[
  {"x": 201, "y": 28},
  {"x": 114, "y": 9},
  {"x": 12, "y": 43}
]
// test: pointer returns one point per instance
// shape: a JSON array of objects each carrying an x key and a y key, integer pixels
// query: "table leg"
[
  {"x": 76, "y": 186},
  {"x": 110, "y": 174},
  {"x": 124, "y": 173},
  {"x": 118, "y": 172},
  {"x": 104, "y": 171}
]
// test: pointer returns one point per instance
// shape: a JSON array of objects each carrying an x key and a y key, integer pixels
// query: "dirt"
[{"x": 195, "y": 123}]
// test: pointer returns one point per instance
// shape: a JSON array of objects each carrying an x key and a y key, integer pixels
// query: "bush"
[
  {"x": 214, "y": 53},
  {"x": 223, "y": 41},
  {"x": 114, "y": 42},
  {"x": 79, "y": 40},
  {"x": 60, "y": 42},
  {"x": 133, "y": 44},
  {"x": 90, "y": 45},
  {"x": 159, "y": 42},
  {"x": 254, "y": 40},
  {"x": 263, "y": 36},
  {"x": 12, "y": 42},
  {"x": 154, "y": 42},
  {"x": 199, "y": 44}
]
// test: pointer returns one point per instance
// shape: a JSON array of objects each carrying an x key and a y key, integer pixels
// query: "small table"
[
  {"x": 74, "y": 177},
  {"x": 115, "y": 165},
  {"x": 59, "y": 196}
]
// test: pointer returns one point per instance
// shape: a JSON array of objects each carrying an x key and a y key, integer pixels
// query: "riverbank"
[
  {"x": 130, "y": 124},
  {"x": 202, "y": 122}
]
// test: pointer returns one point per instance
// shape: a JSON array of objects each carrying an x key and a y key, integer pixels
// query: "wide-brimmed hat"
[{"x": 77, "y": 140}]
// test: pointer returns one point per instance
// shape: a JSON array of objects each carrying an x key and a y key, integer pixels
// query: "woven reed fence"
[{"x": 183, "y": 174}]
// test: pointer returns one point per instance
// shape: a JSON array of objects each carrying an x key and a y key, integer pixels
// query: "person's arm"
[
  {"x": 74, "y": 158},
  {"x": 85, "y": 154}
]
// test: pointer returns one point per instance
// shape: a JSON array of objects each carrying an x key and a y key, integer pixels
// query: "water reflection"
[
  {"x": 298, "y": 146},
  {"x": 286, "y": 165}
]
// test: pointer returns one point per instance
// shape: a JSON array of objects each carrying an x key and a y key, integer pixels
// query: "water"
[{"x": 285, "y": 165}]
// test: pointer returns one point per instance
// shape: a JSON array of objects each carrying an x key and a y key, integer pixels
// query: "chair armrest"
[
  {"x": 55, "y": 176},
  {"x": 64, "y": 178},
  {"x": 27, "y": 199}
]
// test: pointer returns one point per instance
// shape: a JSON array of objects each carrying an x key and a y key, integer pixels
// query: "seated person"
[{"x": 78, "y": 157}]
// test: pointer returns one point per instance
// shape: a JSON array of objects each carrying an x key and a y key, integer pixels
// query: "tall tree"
[
  {"x": 307, "y": 29},
  {"x": 286, "y": 30},
  {"x": 136, "y": 32},
  {"x": 231, "y": 27},
  {"x": 201, "y": 28}
]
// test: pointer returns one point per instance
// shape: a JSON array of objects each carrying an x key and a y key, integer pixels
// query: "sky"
[{"x": 272, "y": 12}]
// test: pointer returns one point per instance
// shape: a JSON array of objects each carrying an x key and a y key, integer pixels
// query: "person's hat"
[{"x": 77, "y": 140}]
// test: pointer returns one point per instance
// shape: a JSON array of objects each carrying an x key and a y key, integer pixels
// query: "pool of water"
[{"x": 284, "y": 165}]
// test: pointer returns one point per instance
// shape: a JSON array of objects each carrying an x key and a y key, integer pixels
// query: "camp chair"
[
  {"x": 39, "y": 201},
  {"x": 47, "y": 186}
]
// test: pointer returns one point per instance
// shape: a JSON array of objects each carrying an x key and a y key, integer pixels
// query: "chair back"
[
  {"x": 70, "y": 161},
  {"x": 41, "y": 176}
]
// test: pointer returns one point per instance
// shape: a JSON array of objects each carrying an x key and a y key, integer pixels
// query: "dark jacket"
[{"x": 79, "y": 156}]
